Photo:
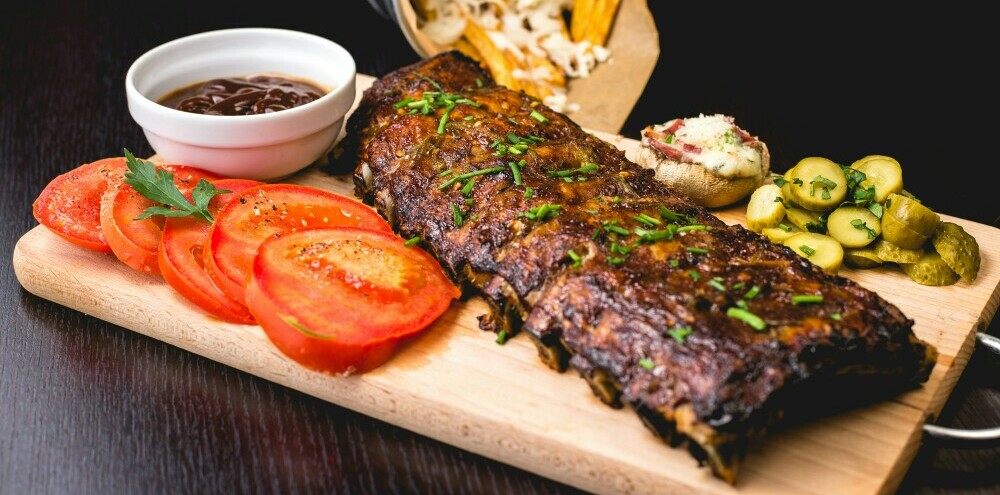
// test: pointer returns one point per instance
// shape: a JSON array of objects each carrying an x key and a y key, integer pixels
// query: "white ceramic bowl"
[{"x": 263, "y": 147}]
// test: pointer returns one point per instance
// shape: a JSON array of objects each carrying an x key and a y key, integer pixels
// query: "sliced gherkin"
[{"x": 958, "y": 249}]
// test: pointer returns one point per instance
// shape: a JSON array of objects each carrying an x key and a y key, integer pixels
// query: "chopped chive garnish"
[
  {"x": 446, "y": 173},
  {"x": 742, "y": 304},
  {"x": 752, "y": 293},
  {"x": 738, "y": 285},
  {"x": 694, "y": 275},
  {"x": 680, "y": 333},
  {"x": 616, "y": 229},
  {"x": 592, "y": 212},
  {"x": 469, "y": 201},
  {"x": 577, "y": 260},
  {"x": 647, "y": 220},
  {"x": 807, "y": 299},
  {"x": 412, "y": 241},
  {"x": 517, "y": 173},
  {"x": 528, "y": 193},
  {"x": 587, "y": 168},
  {"x": 808, "y": 250},
  {"x": 696, "y": 250},
  {"x": 502, "y": 337},
  {"x": 542, "y": 212},
  {"x": 672, "y": 216},
  {"x": 456, "y": 215},
  {"x": 688, "y": 228},
  {"x": 403, "y": 103},
  {"x": 433, "y": 82},
  {"x": 786, "y": 228},
  {"x": 747, "y": 317},
  {"x": 647, "y": 363},
  {"x": 673, "y": 263},
  {"x": 539, "y": 117},
  {"x": 469, "y": 175},
  {"x": 656, "y": 235},
  {"x": 444, "y": 118},
  {"x": 467, "y": 188},
  {"x": 479, "y": 82},
  {"x": 835, "y": 316},
  {"x": 616, "y": 260},
  {"x": 717, "y": 285},
  {"x": 616, "y": 199},
  {"x": 596, "y": 234},
  {"x": 468, "y": 118}
]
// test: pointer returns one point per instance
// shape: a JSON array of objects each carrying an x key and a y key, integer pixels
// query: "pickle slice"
[
  {"x": 958, "y": 249},
  {"x": 888, "y": 251},
  {"x": 899, "y": 234},
  {"x": 765, "y": 208},
  {"x": 853, "y": 226},
  {"x": 803, "y": 218},
  {"x": 818, "y": 184},
  {"x": 862, "y": 258},
  {"x": 779, "y": 234},
  {"x": 930, "y": 270},
  {"x": 912, "y": 214},
  {"x": 880, "y": 171},
  {"x": 822, "y": 250}
]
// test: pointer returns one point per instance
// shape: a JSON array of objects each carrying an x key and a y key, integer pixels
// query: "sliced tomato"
[
  {"x": 70, "y": 205},
  {"x": 181, "y": 257},
  {"x": 340, "y": 299},
  {"x": 268, "y": 211},
  {"x": 136, "y": 242}
]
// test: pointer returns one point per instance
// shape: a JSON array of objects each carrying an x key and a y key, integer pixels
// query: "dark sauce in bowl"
[{"x": 252, "y": 95}]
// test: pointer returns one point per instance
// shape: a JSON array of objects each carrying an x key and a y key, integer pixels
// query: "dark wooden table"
[{"x": 88, "y": 407}]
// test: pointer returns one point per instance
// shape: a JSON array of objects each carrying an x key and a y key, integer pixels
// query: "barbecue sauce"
[{"x": 243, "y": 95}]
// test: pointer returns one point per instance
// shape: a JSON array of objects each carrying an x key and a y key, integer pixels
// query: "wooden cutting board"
[{"x": 455, "y": 384}]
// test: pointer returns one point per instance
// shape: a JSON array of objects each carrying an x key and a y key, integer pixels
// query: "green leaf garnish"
[{"x": 158, "y": 186}]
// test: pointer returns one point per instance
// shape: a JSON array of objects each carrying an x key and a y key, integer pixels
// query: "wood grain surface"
[
  {"x": 89, "y": 407},
  {"x": 453, "y": 381}
]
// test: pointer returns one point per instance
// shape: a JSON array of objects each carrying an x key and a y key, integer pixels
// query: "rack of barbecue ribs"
[{"x": 709, "y": 332}]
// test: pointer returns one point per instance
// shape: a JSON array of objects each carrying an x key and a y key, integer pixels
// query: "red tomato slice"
[
  {"x": 268, "y": 211},
  {"x": 340, "y": 299},
  {"x": 181, "y": 257},
  {"x": 136, "y": 242},
  {"x": 70, "y": 205}
]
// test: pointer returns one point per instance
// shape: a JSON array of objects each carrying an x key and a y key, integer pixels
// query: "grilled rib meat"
[{"x": 657, "y": 303}]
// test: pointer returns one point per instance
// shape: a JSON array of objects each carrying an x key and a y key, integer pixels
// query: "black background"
[{"x": 87, "y": 407}]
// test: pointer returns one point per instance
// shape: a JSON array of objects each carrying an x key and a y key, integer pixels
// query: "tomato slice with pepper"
[
  {"x": 136, "y": 242},
  {"x": 181, "y": 257},
  {"x": 70, "y": 204},
  {"x": 340, "y": 299},
  {"x": 271, "y": 210}
]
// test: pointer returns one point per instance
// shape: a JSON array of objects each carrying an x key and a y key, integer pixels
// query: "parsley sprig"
[{"x": 158, "y": 185}]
